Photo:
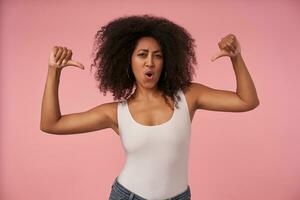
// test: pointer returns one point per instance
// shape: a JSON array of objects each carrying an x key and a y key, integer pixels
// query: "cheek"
[
  {"x": 160, "y": 65},
  {"x": 136, "y": 62},
  {"x": 160, "y": 62},
  {"x": 136, "y": 69}
]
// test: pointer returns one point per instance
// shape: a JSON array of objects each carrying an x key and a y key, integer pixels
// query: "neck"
[{"x": 146, "y": 94}]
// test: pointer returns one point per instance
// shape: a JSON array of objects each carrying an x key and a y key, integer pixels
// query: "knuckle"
[{"x": 62, "y": 49}]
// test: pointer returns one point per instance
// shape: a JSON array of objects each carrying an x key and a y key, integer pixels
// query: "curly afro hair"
[{"x": 115, "y": 42}]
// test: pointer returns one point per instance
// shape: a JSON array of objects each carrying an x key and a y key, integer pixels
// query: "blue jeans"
[{"x": 119, "y": 192}]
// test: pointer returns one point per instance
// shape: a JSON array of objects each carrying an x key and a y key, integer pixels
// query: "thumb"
[
  {"x": 74, "y": 63},
  {"x": 219, "y": 54}
]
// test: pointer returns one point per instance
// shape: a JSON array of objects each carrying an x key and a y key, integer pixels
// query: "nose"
[{"x": 149, "y": 61}]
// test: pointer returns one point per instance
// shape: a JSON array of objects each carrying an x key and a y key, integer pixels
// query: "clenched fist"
[
  {"x": 60, "y": 57},
  {"x": 229, "y": 46}
]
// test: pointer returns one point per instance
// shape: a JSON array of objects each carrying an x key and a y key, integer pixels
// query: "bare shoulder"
[
  {"x": 111, "y": 109},
  {"x": 191, "y": 93},
  {"x": 195, "y": 92},
  {"x": 191, "y": 99}
]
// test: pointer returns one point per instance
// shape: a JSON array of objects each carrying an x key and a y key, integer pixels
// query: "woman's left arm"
[
  {"x": 245, "y": 86},
  {"x": 245, "y": 97}
]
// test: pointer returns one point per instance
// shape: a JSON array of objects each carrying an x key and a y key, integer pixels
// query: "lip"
[
  {"x": 149, "y": 78},
  {"x": 149, "y": 71}
]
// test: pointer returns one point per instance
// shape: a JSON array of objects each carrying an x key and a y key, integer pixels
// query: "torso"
[{"x": 154, "y": 113}]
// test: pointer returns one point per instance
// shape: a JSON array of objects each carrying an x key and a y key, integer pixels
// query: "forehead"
[{"x": 147, "y": 43}]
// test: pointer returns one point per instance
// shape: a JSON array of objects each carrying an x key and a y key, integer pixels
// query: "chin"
[{"x": 149, "y": 85}]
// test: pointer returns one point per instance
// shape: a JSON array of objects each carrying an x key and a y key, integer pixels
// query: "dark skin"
[{"x": 148, "y": 107}]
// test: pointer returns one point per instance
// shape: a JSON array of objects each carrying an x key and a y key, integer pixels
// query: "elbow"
[
  {"x": 256, "y": 103},
  {"x": 46, "y": 129},
  {"x": 42, "y": 127},
  {"x": 253, "y": 105}
]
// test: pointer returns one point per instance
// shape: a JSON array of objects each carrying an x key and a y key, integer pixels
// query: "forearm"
[
  {"x": 50, "y": 112},
  {"x": 245, "y": 86}
]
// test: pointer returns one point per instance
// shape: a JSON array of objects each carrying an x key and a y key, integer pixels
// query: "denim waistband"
[{"x": 118, "y": 186}]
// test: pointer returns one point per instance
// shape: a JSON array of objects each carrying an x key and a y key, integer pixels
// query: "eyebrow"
[{"x": 148, "y": 50}]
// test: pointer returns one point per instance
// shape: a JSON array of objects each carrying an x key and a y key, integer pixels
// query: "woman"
[{"x": 147, "y": 63}]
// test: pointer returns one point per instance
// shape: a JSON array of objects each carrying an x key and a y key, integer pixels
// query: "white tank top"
[{"x": 156, "y": 165}]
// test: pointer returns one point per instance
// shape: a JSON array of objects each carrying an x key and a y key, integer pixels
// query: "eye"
[{"x": 143, "y": 55}]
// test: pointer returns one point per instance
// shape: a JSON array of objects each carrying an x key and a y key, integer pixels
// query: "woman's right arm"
[
  {"x": 52, "y": 121},
  {"x": 50, "y": 113}
]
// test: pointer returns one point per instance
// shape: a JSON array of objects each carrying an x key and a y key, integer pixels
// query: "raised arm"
[
  {"x": 52, "y": 121},
  {"x": 244, "y": 98}
]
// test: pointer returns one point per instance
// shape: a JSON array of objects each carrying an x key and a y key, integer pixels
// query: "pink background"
[{"x": 233, "y": 156}]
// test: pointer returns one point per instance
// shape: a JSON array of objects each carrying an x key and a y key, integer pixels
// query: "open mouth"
[{"x": 149, "y": 74}]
